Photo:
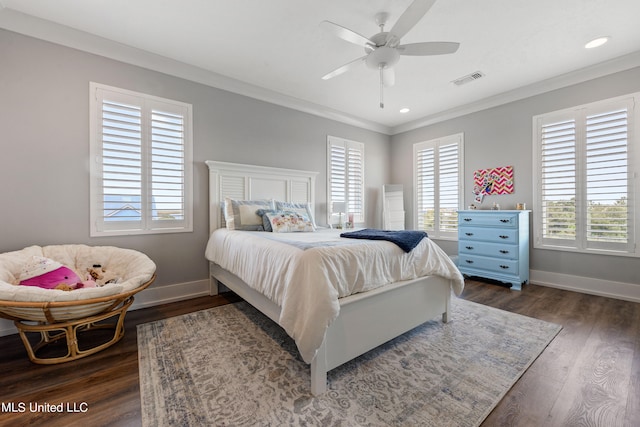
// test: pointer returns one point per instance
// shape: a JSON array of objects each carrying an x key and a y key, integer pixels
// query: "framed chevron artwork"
[{"x": 493, "y": 181}]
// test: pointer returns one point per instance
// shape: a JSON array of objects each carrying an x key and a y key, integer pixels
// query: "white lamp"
[{"x": 339, "y": 208}]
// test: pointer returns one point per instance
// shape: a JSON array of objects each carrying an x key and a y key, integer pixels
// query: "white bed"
[{"x": 353, "y": 324}]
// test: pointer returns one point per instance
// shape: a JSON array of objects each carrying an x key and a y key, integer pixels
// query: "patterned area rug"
[{"x": 231, "y": 365}]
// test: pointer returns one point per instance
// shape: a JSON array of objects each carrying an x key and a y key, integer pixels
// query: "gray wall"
[
  {"x": 44, "y": 149},
  {"x": 502, "y": 136}
]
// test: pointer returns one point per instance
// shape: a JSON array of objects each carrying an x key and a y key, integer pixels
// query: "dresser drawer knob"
[
  {"x": 504, "y": 220},
  {"x": 469, "y": 247},
  {"x": 468, "y": 261},
  {"x": 504, "y": 251},
  {"x": 468, "y": 219},
  {"x": 502, "y": 236},
  {"x": 504, "y": 267},
  {"x": 468, "y": 234}
]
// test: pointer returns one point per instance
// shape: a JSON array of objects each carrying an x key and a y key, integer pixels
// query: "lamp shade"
[{"x": 338, "y": 207}]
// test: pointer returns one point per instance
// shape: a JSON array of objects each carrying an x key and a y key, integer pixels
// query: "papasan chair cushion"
[
  {"x": 58, "y": 315},
  {"x": 132, "y": 267}
]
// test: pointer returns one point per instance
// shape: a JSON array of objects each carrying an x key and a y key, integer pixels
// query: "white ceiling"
[{"x": 275, "y": 50}]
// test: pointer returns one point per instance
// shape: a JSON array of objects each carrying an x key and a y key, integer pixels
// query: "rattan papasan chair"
[{"x": 54, "y": 315}]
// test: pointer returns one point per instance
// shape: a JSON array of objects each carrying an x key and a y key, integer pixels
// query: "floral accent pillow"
[
  {"x": 289, "y": 222},
  {"x": 303, "y": 209}
]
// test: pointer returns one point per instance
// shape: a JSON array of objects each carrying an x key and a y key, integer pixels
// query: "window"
[
  {"x": 585, "y": 163},
  {"x": 438, "y": 175},
  {"x": 345, "y": 176},
  {"x": 140, "y": 163}
]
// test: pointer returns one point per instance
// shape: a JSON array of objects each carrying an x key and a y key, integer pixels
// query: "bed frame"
[{"x": 366, "y": 320}]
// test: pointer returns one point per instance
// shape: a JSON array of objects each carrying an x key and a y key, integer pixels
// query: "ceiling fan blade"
[
  {"x": 388, "y": 77},
  {"x": 428, "y": 48},
  {"x": 347, "y": 34},
  {"x": 346, "y": 67},
  {"x": 408, "y": 20}
]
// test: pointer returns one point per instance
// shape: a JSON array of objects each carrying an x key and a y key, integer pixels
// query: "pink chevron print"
[{"x": 493, "y": 181}]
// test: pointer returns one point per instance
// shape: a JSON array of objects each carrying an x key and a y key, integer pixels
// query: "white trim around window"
[
  {"x": 345, "y": 181},
  {"x": 585, "y": 162},
  {"x": 438, "y": 173},
  {"x": 141, "y": 163}
]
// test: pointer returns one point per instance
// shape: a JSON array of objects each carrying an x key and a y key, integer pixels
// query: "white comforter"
[{"x": 307, "y": 275}]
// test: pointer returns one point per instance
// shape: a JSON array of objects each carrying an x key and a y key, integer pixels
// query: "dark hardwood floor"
[{"x": 588, "y": 376}]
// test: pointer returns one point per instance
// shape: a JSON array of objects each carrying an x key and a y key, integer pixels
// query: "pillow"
[
  {"x": 48, "y": 274},
  {"x": 303, "y": 209},
  {"x": 289, "y": 222},
  {"x": 241, "y": 214},
  {"x": 266, "y": 224}
]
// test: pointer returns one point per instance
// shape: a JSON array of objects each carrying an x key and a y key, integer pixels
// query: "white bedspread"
[{"x": 306, "y": 273}]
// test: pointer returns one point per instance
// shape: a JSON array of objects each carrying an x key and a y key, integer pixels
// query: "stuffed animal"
[
  {"x": 101, "y": 276},
  {"x": 48, "y": 274}
]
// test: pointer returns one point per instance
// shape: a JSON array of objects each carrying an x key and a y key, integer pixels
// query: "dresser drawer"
[
  {"x": 489, "y": 234},
  {"x": 497, "y": 250},
  {"x": 488, "y": 219},
  {"x": 502, "y": 266}
]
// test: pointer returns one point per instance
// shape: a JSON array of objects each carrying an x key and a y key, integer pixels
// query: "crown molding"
[
  {"x": 615, "y": 65},
  {"x": 28, "y": 25}
]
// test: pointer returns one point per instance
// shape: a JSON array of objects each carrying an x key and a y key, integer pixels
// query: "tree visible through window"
[
  {"x": 438, "y": 176},
  {"x": 585, "y": 166}
]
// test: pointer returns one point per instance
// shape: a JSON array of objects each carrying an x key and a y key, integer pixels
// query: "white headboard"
[{"x": 251, "y": 182}]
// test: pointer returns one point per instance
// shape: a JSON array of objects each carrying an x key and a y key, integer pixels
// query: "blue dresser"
[{"x": 494, "y": 245}]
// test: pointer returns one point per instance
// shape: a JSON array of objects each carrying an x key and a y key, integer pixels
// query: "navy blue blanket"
[{"x": 406, "y": 239}]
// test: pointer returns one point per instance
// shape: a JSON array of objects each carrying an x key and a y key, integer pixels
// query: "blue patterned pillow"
[
  {"x": 266, "y": 224},
  {"x": 242, "y": 214}
]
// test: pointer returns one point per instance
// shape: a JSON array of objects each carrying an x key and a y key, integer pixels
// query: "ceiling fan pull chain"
[{"x": 381, "y": 88}]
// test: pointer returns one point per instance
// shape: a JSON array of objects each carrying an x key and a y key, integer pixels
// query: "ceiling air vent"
[{"x": 468, "y": 78}]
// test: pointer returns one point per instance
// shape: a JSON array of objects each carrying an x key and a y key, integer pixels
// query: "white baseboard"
[
  {"x": 170, "y": 293},
  {"x": 587, "y": 285},
  {"x": 148, "y": 298},
  {"x": 183, "y": 291}
]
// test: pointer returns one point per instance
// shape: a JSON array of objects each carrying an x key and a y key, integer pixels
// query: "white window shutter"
[
  {"x": 345, "y": 182},
  {"x": 558, "y": 180},
  {"x": 141, "y": 168},
  {"x": 438, "y": 176},
  {"x": 585, "y": 164}
]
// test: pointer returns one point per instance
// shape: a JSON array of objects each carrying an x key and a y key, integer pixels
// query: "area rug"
[{"x": 231, "y": 365}]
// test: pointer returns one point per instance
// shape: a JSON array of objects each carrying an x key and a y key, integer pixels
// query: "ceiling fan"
[{"x": 383, "y": 49}]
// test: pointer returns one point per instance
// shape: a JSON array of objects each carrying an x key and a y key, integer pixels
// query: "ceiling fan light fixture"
[
  {"x": 384, "y": 57},
  {"x": 597, "y": 42}
]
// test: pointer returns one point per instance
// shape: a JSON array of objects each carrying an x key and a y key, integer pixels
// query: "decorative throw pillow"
[
  {"x": 303, "y": 209},
  {"x": 289, "y": 222},
  {"x": 241, "y": 214},
  {"x": 266, "y": 224}
]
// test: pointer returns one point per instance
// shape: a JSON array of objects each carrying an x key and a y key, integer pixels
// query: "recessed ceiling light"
[
  {"x": 596, "y": 42},
  {"x": 404, "y": 110}
]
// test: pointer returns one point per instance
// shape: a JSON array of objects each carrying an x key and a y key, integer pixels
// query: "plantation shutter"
[
  {"x": 355, "y": 181},
  {"x": 140, "y": 173},
  {"x": 584, "y": 199},
  {"x": 608, "y": 213},
  {"x": 121, "y": 199},
  {"x": 449, "y": 185},
  {"x": 558, "y": 180},
  {"x": 426, "y": 189},
  {"x": 167, "y": 165},
  {"x": 346, "y": 178},
  {"x": 438, "y": 184}
]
